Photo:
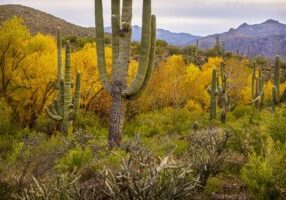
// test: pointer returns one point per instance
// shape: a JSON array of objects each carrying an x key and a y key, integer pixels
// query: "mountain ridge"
[{"x": 267, "y": 38}]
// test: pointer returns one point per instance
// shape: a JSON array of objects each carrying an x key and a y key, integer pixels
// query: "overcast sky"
[{"x": 198, "y": 17}]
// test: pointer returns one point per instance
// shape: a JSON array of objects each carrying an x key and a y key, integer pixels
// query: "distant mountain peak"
[
  {"x": 177, "y": 39},
  {"x": 271, "y": 21},
  {"x": 243, "y": 25}
]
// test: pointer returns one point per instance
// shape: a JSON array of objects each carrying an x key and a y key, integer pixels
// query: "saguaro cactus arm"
[
  {"x": 100, "y": 45},
  {"x": 59, "y": 54},
  {"x": 53, "y": 115},
  {"x": 151, "y": 61},
  {"x": 76, "y": 101},
  {"x": 137, "y": 83},
  {"x": 115, "y": 23}
]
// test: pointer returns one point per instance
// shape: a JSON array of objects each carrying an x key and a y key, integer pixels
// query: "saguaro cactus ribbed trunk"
[{"x": 121, "y": 40}]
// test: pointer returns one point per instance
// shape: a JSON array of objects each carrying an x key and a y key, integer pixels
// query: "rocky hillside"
[
  {"x": 42, "y": 22},
  {"x": 176, "y": 39},
  {"x": 267, "y": 39}
]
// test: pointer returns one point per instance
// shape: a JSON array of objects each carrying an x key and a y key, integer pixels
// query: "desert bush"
[
  {"x": 169, "y": 121},
  {"x": 140, "y": 176},
  {"x": 34, "y": 154},
  {"x": 265, "y": 173},
  {"x": 276, "y": 126},
  {"x": 74, "y": 159},
  {"x": 63, "y": 188},
  {"x": 207, "y": 152},
  {"x": 242, "y": 111},
  {"x": 144, "y": 176}
]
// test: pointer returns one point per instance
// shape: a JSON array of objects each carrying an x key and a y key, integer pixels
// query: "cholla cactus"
[
  {"x": 121, "y": 40},
  {"x": 64, "y": 109}
]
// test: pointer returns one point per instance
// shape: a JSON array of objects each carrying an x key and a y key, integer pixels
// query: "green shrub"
[
  {"x": 6, "y": 126},
  {"x": 213, "y": 185},
  {"x": 75, "y": 159},
  {"x": 169, "y": 121},
  {"x": 45, "y": 124},
  {"x": 265, "y": 173},
  {"x": 276, "y": 126},
  {"x": 241, "y": 111},
  {"x": 91, "y": 124}
]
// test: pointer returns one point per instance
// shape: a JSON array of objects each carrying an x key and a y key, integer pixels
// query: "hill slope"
[
  {"x": 267, "y": 39},
  {"x": 38, "y": 21},
  {"x": 177, "y": 39}
]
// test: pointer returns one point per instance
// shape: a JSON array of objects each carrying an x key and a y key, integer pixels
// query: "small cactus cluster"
[
  {"x": 65, "y": 108},
  {"x": 257, "y": 87}
]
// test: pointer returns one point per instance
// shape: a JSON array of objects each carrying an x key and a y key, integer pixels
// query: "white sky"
[{"x": 198, "y": 17}]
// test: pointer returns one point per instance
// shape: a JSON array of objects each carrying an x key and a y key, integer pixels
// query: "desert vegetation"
[{"x": 114, "y": 119}]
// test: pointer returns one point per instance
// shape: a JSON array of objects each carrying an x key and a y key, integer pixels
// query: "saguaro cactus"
[
  {"x": 253, "y": 79},
  {"x": 218, "y": 47},
  {"x": 222, "y": 92},
  {"x": 275, "y": 98},
  {"x": 64, "y": 109},
  {"x": 276, "y": 79},
  {"x": 213, "y": 91},
  {"x": 121, "y": 39},
  {"x": 277, "y": 74},
  {"x": 259, "y": 89}
]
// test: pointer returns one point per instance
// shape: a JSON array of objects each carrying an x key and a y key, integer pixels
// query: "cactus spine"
[
  {"x": 213, "y": 94},
  {"x": 121, "y": 40},
  {"x": 64, "y": 109}
]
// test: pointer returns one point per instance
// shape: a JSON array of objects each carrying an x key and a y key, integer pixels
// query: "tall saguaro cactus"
[
  {"x": 121, "y": 39},
  {"x": 64, "y": 109},
  {"x": 213, "y": 91},
  {"x": 277, "y": 74},
  {"x": 258, "y": 88},
  {"x": 222, "y": 93}
]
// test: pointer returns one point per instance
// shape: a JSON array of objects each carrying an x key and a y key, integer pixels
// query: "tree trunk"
[{"x": 117, "y": 116}]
